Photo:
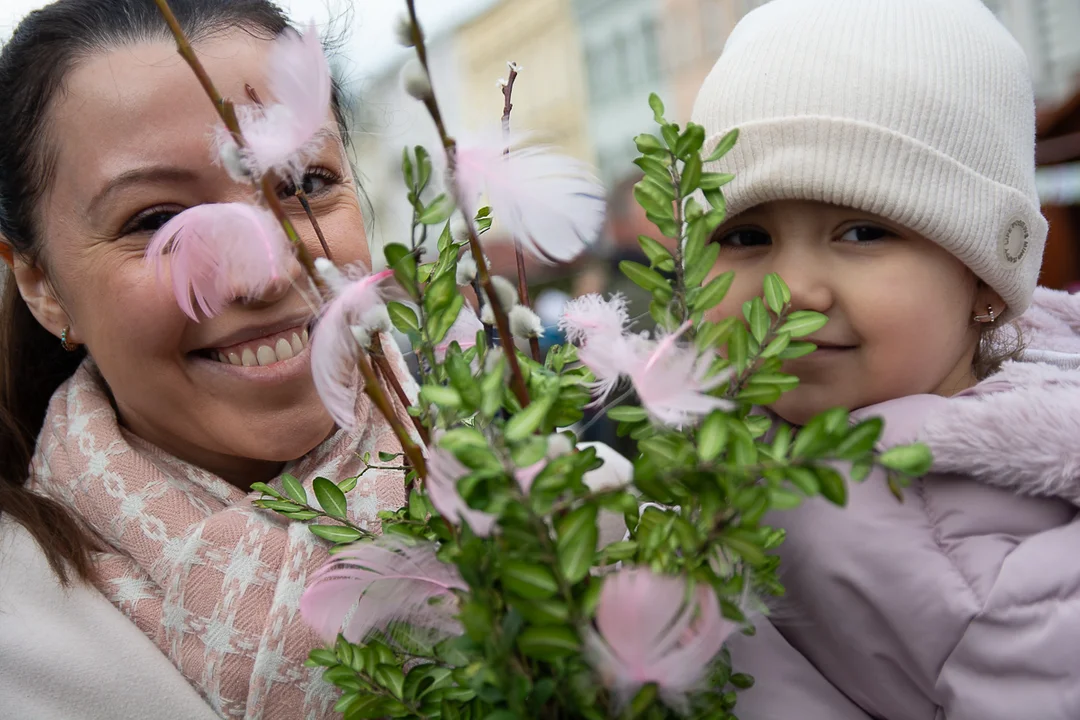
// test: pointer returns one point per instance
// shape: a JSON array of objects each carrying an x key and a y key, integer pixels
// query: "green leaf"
[
  {"x": 700, "y": 270},
  {"x": 688, "y": 148},
  {"x": 528, "y": 421},
  {"x": 713, "y": 293},
  {"x": 711, "y": 335},
  {"x": 576, "y": 545},
  {"x": 658, "y": 254},
  {"x": 649, "y": 145},
  {"x": 860, "y": 439},
  {"x": 654, "y": 168},
  {"x": 403, "y": 317},
  {"x": 401, "y": 261},
  {"x": 803, "y": 322},
  {"x": 643, "y": 277},
  {"x": 657, "y": 108},
  {"x": 529, "y": 580},
  {"x": 627, "y": 413},
  {"x": 619, "y": 551},
  {"x": 548, "y": 643},
  {"x": 778, "y": 345},
  {"x": 336, "y": 533},
  {"x": 437, "y": 211},
  {"x": 266, "y": 490},
  {"x": 914, "y": 460},
  {"x": 330, "y": 498},
  {"x": 726, "y": 143},
  {"x": 390, "y": 678},
  {"x": 777, "y": 293},
  {"x": 691, "y": 175},
  {"x": 441, "y": 396},
  {"x": 783, "y": 499},
  {"x": 797, "y": 350},
  {"x": 833, "y": 486},
  {"x": 279, "y": 505},
  {"x": 294, "y": 489},
  {"x": 439, "y": 293},
  {"x": 713, "y": 436},
  {"x": 543, "y": 612},
  {"x": 407, "y": 168},
  {"x": 670, "y": 133},
  {"x": 758, "y": 317},
  {"x": 653, "y": 200},
  {"x": 347, "y": 484},
  {"x": 804, "y": 479},
  {"x": 302, "y": 515},
  {"x": 715, "y": 181},
  {"x": 423, "y": 159},
  {"x": 738, "y": 345},
  {"x": 440, "y": 325}
]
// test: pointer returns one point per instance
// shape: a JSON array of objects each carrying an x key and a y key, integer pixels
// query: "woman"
[{"x": 131, "y": 439}]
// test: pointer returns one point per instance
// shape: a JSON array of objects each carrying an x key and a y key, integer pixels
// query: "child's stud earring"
[
  {"x": 989, "y": 318},
  {"x": 70, "y": 347}
]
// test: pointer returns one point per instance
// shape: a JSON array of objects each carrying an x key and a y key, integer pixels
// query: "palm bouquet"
[{"x": 528, "y": 575}]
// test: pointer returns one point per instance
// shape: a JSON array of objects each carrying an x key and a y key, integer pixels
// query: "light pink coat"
[{"x": 962, "y": 602}]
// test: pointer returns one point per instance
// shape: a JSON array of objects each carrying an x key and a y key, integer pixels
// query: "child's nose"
[{"x": 810, "y": 281}]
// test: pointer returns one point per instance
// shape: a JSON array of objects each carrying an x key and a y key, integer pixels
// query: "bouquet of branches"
[{"x": 530, "y": 575}]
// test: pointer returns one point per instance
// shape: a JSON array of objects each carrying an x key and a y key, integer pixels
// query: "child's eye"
[
  {"x": 745, "y": 238},
  {"x": 865, "y": 234}
]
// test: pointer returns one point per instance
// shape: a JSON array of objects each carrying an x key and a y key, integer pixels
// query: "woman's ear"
[{"x": 40, "y": 297}]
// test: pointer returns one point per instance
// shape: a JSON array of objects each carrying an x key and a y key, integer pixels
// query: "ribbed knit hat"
[{"x": 919, "y": 111}]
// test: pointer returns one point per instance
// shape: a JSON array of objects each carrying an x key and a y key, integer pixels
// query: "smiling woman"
[{"x": 134, "y": 425}]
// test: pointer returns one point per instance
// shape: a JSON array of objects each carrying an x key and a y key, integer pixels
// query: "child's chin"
[
  {"x": 799, "y": 406},
  {"x": 288, "y": 439}
]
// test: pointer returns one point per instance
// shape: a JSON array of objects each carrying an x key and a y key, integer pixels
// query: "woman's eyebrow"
[{"x": 153, "y": 174}]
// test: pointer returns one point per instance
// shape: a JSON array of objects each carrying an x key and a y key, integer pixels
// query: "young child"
[{"x": 885, "y": 168}]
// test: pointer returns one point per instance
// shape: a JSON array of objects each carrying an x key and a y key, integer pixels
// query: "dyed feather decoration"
[
  {"x": 382, "y": 583},
  {"x": 334, "y": 347},
  {"x": 549, "y": 202},
  {"x": 219, "y": 252}
]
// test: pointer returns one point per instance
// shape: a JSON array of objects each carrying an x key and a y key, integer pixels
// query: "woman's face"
[
  {"x": 899, "y": 306},
  {"x": 131, "y": 133}
]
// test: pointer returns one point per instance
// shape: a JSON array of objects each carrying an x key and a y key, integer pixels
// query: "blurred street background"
[{"x": 587, "y": 69}]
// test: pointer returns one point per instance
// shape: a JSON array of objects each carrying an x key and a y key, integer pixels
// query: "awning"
[{"x": 1059, "y": 184}]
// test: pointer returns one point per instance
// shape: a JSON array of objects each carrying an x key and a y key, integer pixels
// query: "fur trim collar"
[{"x": 1020, "y": 429}]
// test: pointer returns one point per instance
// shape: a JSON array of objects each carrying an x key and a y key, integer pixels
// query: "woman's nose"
[{"x": 279, "y": 285}]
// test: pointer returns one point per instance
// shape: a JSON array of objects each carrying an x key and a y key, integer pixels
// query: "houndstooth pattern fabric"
[{"x": 214, "y": 581}]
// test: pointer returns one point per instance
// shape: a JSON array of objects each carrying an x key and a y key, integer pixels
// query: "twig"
[
  {"x": 227, "y": 113},
  {"x": 517, "y": 379},
  {"x": 384, "y": 367},
  {"x": 519, "y": 252},
  {"x": 302, "y": 197}
]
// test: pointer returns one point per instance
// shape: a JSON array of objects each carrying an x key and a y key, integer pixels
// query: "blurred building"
[
  {"x": 621, "y": 42},
  {"x": 386, "y": 120},
  {"x": 1049, "y": 31},
  {"x": 549, "y": 97}
]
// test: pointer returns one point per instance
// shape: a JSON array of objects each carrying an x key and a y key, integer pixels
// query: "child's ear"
[
  {"x": 986, "y": 297},
  {"x": 40, "y": 297}
]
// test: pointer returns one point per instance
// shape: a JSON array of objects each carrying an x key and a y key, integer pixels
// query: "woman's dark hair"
[{"x": 34, "y": 63}]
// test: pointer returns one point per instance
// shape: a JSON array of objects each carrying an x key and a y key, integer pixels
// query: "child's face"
[{"x": 899, "y": 306}]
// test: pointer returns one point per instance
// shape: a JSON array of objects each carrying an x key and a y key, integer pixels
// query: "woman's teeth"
[{"x": 264, "y": 353}]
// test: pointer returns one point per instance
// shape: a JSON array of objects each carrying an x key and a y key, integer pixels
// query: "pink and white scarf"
[{"x": 214, "y": 581}]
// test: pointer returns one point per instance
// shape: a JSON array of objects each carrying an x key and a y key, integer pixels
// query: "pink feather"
[
  {"x": 593, "y": 317},
  {"x": 382, "y": 583},
  {"x": 283, "y": 137},
  {"x": 444, "y": 471},
  {"x": 649, "y": 631},
  {"x": 549, "y": 202},
  {"x": 334, "y": 347},
  {"x": 219, "y": 252},
  {"x": 672, "y": 382}
]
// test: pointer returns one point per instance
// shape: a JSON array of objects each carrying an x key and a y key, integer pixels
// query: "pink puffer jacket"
[{"x": 962, "y": 602}]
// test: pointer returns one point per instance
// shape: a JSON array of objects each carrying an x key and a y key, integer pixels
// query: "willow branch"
[
  {"x": 519, "y": 251},
  {"x": 383, "y": 364},
  {"x": 502, "y": 322},
  {"x": 227, "y": 113}
]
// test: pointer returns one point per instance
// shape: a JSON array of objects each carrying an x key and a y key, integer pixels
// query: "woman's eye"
[
  {"x": 745, "y": 238},
  {"x": 313, "y": 183},
  {"x": 865, "y": 234},
  {"x": 148, "y": 222}
]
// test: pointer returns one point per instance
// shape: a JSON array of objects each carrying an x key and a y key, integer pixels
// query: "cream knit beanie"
[{"x": 920, "y": 111}]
